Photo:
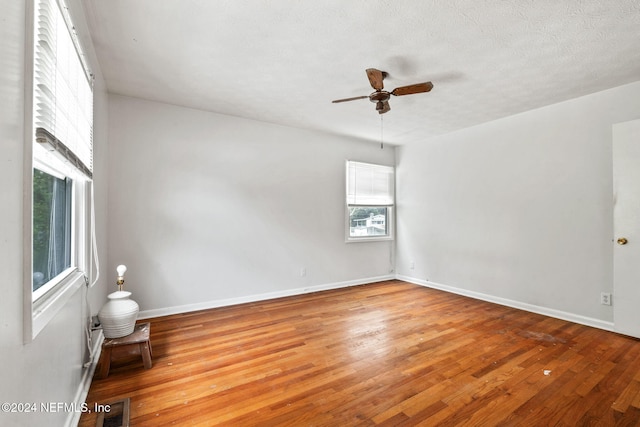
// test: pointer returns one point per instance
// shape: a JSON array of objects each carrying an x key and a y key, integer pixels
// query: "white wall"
[
  {"x": 49, "y": 369},
  {"x": 517, "y": 209},
  {"x": 207, "y": 209}
]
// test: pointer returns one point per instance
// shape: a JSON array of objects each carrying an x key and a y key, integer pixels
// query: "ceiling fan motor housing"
[{"x": 379, "y": 96}]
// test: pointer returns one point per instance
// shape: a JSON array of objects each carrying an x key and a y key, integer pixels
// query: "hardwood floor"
[{"x": 388, "y": 353}]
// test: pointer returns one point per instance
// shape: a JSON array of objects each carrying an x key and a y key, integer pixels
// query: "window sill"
[
  {"x": 368, "y": 239},
  {"x": 40, "y": 312}
]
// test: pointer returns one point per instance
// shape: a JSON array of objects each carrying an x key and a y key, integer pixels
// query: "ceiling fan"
[{"x": 381, "y": 97}]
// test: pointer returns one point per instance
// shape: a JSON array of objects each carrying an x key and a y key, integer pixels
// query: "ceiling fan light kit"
[{"x": 381, "y": 97}]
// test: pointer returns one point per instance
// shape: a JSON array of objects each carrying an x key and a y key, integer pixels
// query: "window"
[
  {"x": 52, "y": 247},
  {"x": 61, "y": 167},
  {"x": 370, "y": 201}
]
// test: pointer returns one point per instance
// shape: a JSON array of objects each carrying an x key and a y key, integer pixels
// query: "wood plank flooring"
[{"x": 389, "y": 353}]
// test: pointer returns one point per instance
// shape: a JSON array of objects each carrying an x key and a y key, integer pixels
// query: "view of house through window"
[
  {"x": 51, "y": 227},
  {"x": 367, "y": 221}
]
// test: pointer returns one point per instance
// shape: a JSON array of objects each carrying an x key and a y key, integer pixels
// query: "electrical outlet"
[
  {"x": 412, "y": 265},
  {"x": 605, "y": 298},
  {"x": 303, "y": 271},
  {"x": 95, "y": 323}
]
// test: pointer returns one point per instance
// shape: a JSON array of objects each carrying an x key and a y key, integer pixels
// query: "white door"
[{"x": 626, "y": 227}]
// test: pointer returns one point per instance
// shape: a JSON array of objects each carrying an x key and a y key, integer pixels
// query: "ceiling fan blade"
[
  {"x": 350, "y": 99},
  {"x": 375, "y": 78},
  {"x": 411, "y": 89}
]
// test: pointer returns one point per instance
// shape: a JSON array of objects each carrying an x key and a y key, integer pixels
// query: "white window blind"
[
  {"x": 63, "y": 111},
  {"x": 369, "y": 184}
]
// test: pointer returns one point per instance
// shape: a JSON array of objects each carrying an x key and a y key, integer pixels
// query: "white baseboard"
[
  {"x": 146, "y": 314},
  {"x": 558, "y": 314},
  {"x": 85, "y": 383}
]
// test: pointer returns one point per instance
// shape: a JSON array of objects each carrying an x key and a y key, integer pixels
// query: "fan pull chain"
[{"x": 381, "y": 134}]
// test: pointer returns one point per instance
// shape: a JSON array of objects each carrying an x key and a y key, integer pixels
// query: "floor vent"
[{"x": 113, "y": 414}]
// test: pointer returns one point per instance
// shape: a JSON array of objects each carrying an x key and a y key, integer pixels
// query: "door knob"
[{"x": 622, "y": 241}]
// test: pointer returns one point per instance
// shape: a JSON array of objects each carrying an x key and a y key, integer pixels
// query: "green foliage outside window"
[{"x": 51, "y": 227}]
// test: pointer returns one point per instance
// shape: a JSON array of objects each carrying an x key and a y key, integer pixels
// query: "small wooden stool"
[{"x": 138, "y": 340}]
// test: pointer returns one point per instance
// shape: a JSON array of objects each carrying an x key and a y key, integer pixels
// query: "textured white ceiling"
[{"x": 283, "y": 61}]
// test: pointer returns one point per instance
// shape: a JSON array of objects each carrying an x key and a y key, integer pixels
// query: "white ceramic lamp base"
[{"x": 118, "y": 316}]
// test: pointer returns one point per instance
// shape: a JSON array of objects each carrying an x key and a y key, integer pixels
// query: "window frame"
[
  {"x": 390, "y": 206},
  {"x": 41, "y": 310},
  {"x": 40, "y": 307},
  {"x": 372, "y": 238},
  {"x": 54, "y": 281}
]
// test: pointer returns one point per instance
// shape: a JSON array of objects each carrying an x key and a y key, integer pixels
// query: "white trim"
[
  {"x": 27, "y": 180},
  {"x": 85, "y": 383},
  {"x": 558, "y": 314},
  {"x": 39, "y": 294},
  {"x": 47, "y": 307},
  {"x": 146, "y": 314}
]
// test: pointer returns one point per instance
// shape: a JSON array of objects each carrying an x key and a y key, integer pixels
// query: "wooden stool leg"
[
  {"x": 106, "y": 362},
  {"x": 145, "y": 350}
]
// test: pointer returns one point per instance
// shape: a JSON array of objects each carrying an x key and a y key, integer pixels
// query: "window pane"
[
  {"x": 368, "y": 221},
  {"x": 51, "y": 227}
]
